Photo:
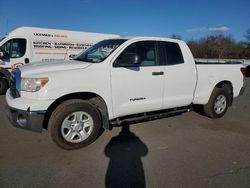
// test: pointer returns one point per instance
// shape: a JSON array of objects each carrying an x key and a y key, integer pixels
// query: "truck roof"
[
  {"x": 151, "y": 38},
  {"x": 29, "y": 31}
]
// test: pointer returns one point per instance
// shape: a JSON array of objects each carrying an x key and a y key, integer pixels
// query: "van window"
[{"x": 14, "y": 48}]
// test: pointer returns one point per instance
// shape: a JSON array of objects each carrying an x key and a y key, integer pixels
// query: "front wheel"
[
  {"x": 218, "y": 103},
  {"x": 75, "y": 124}
]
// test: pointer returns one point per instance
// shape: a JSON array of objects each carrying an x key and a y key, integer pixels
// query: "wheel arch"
[
  {"x": 228, "y": 86},
  {"x": 4, "y": 73},
  {"x": 4, "y": 80},
  {"x": 93, "y": 98}
]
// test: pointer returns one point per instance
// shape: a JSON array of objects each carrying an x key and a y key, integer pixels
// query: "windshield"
[{"x": 100, "y": 51}]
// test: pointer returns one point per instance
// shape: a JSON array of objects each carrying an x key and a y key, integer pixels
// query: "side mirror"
[
  {"x": 72, "y": 56},
  {"x": 128, "y": 60}
]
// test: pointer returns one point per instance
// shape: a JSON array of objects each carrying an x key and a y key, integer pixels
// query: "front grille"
[{"x": 15, "y": 83}]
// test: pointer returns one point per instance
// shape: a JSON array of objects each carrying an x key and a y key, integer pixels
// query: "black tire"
[
  {"x": 210, "y": 108},
  {"x": 3, "y": 86},
  {"x": 62, "y": 112}
]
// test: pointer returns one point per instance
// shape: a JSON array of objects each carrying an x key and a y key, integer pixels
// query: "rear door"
[
  {"x": 138, "y": 89},
  {"x": 180, "y": 75}
]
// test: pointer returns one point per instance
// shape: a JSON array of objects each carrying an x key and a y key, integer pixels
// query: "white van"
[{"x": 28, "y": 44}]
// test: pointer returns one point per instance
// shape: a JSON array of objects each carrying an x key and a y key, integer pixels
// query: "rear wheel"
[
  {"x": 218, "y": 103},
  {"x": 75, "y": 124},
  {"x": 3, "y": 86}
]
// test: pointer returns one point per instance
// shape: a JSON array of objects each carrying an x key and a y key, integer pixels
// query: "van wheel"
[
  {"x": 3, "y": 86},
  {"x": 218, "y": 103},
  {"x": 74, "y": 124}
]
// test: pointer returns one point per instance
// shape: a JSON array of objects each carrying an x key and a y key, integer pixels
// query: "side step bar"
[{"x": 148, "y": 116}]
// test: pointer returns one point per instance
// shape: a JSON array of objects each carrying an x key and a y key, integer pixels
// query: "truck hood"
[{"x": 53, "y": 66}]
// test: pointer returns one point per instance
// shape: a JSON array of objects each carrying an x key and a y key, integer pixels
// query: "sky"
[{"x": 190, "y": 19}]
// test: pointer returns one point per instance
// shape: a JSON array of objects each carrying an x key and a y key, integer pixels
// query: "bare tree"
[
  {"x": 246, "y": 44},
  {"x": 247, "y": 36},
  {"x": 175, "y": 36},
  {"x": 216, "y": 46}
]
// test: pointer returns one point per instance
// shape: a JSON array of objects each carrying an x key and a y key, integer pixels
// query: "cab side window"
[
  {"x": 14, "y": 48},
  {"x": 146, "y": 50}
]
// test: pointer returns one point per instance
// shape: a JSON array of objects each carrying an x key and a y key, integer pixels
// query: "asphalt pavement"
[{"x": 183, "y": 151}]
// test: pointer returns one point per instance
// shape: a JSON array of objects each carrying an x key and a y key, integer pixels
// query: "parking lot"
[{"x": 188, "y": 150}]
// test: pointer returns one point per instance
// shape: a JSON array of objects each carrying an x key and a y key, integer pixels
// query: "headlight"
[{"x": 33, "y": 84}]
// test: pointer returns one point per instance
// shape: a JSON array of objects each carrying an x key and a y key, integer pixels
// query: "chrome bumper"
[{"x": 32, "y": 121}]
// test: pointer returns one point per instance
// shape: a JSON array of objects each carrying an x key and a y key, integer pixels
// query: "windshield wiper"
[{"x": 84, "y": 60}]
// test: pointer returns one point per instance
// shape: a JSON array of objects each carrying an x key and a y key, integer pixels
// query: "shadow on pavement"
[{"x": 125, "y": 167}]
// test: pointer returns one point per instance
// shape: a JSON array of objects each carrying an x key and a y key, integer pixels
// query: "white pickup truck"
[{"x": 116, "y": 81}]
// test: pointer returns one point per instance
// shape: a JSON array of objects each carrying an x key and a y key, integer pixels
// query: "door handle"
[{"x": 157, "y": 73}]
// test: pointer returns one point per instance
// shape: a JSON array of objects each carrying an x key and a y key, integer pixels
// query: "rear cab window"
[{"x": 172, "y": 54}]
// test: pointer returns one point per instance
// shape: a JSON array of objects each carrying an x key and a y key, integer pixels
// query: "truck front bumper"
[{"x": 32, "y": 121}]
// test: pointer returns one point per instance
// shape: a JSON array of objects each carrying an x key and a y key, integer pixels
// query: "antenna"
[{"x": 7, "y": 25}]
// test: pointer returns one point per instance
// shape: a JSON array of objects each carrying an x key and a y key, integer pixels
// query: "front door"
[
  {"x": 138, "y": 88},
  {"x": 14, "y": 52}
]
